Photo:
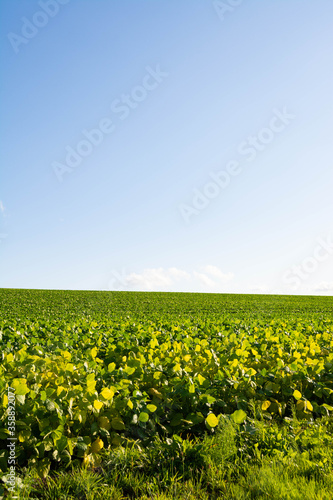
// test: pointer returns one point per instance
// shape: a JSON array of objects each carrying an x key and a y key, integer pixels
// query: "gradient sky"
[{"x": 186, "y": 91}]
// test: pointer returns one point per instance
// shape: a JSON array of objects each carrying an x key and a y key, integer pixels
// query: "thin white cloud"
[
  {"x": 207, "y": 278},
  {"x": 156, "y": 278},
  {"x": 260, "y": 289},
  {"x": 204, "y": 279},
  {"x": 2, "y": 207},
  {"x": 217, "y": 273},
  {"x": 170, "y": 279},
  {"x": 324, "y": 286},
  {"x": 150, "y": 279},
  {"x": 179, "y": 273}
]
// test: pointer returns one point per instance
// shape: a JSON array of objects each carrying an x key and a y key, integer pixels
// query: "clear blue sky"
[{"x": 212, "y": 167}]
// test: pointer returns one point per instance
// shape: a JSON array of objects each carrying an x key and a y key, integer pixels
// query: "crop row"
[{"x": 88, "y": 386}]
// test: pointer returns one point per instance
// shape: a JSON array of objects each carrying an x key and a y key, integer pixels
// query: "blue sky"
[{"x": 172, "y": 145}]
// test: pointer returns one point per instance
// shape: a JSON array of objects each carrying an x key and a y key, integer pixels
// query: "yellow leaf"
[
  {"x": 154, "y": 392},
  {"x": 309, "y": 406},
  {"x": 93, "y": 352},
  {"x": 297, "y": 395},
  {"x": 107, "y": 393},
  {"x": 153, "y": 343},
  {"x": 97, "y": 445},
  {"x": 91, "y": 460},
  {"x": 70, "y": 446},
  {"x": 91, "y": 383},
  {"x": 265, "y": 405},
  {"x": 212, "y": 420},
  {"x": 98, "y": 404},
  {"x": 24, "y": 435},
  {"x": 60, "y": 390}
]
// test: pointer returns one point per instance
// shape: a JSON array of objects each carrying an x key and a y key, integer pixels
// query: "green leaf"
[
  {"x": 143, "y": 417},
  {"x": 4, "y": 433},
  {"x": 208, "y": 398},
  {"x": 238, "y": 416},
  {"x": 152, "y": 408},
  {"x": 61, "y": 443},
  {"x": 301, "y": 405},
  {"x": 81, "y": 446},
  {"x": 20, "y": 386},
  {"x": 24, "y": 435},
  {"x": 20, "y": 399},
  {"x": 43, "y": 467},
  {"x": 50, "y": 406},
  {"x": 191, "y": 389},
  {"x": 176, "y": 419},
  {"x": 117, "y": 424},
  {"x": 328, "y": 407},
  {"x": 129, "y": 370}
]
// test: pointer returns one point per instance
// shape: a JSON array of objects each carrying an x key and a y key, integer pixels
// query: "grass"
[{"x": 257, "y": 460}]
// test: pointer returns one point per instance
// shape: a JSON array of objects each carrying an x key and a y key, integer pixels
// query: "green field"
[{"x": 167, "y": 395}]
